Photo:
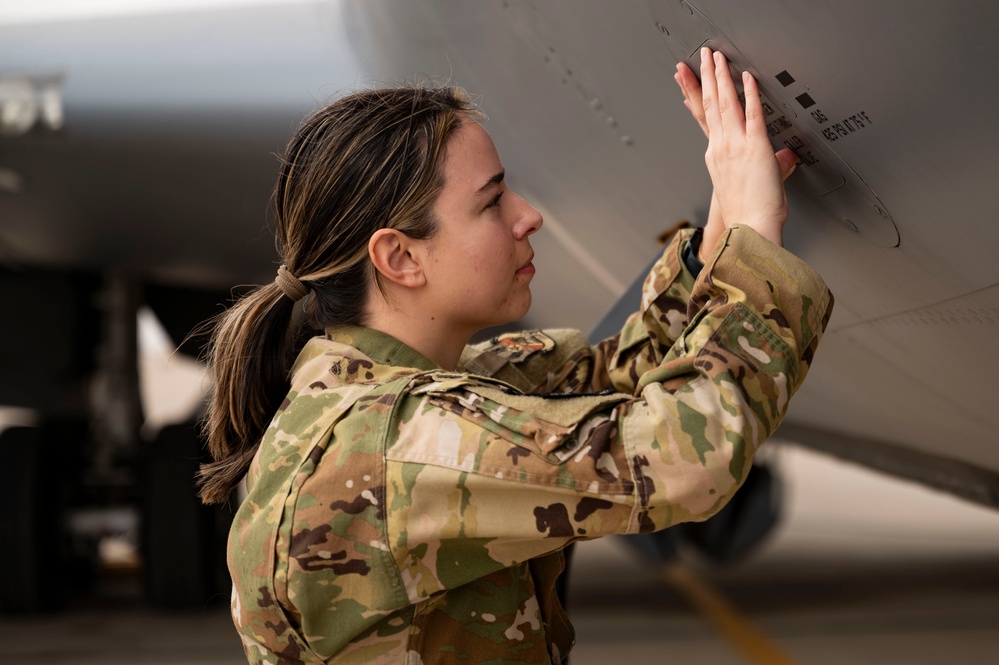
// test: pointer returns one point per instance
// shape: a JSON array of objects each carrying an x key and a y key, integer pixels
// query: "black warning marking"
[
  {"x": 805, "y": 100},
  {"x": 807, "y": 158},
  {"x": 781, "y": 124},
  {"x": 794, "y": 143},
  {"x": 846, "y": 126},
  {"x": 784, "y": 78}
]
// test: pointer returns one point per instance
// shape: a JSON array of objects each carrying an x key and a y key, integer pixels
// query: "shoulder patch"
[{"x": 518, "y": 346}]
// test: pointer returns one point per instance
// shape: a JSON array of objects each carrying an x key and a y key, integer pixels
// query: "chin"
[
  {"x": 523, "y": 310},
  {"x": 510, "y": 312}
]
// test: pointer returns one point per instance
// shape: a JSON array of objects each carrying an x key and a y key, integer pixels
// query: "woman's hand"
[{"x": 742, "y": 135}]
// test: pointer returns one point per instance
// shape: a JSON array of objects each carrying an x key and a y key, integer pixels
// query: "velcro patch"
[{"x": 516, "y": 347}]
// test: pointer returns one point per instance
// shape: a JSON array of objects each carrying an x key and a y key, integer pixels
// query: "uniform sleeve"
[
  {"x": 650, "y": 332},
  {"x": 485, "y": 477}
]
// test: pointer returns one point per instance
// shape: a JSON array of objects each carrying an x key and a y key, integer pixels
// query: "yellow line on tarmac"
[{"x": 743, "y": 636}]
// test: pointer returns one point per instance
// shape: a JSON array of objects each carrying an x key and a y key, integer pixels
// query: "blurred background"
[{"x": 138, "y": 144}]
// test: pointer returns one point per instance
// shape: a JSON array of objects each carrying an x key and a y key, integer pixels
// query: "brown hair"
[{"x": 368, "y": 161}]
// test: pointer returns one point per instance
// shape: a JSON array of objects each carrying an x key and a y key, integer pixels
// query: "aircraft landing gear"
[
  {"x": 39, "y": 561},
  {"x": 183, "y": 540}
]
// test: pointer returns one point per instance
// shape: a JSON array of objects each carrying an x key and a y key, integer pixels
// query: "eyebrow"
[{"x": 492, "y": 182}]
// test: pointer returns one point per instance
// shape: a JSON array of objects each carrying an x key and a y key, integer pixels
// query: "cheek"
[{"x": 490, "y": 254}]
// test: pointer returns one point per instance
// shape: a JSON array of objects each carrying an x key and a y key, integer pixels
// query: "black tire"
[{"x": 743, "y": 524}]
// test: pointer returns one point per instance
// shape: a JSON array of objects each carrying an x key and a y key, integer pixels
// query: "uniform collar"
[{"x": 380, "y": 347}]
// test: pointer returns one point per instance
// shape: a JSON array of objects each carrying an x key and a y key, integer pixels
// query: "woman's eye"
[{"x": 495, "y": 201}]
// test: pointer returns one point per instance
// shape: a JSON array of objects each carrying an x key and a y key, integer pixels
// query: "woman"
[{"x": 409, "y": 496}]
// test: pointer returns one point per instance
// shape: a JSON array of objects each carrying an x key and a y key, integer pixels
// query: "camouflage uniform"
[{"x": 400, "y": 513}]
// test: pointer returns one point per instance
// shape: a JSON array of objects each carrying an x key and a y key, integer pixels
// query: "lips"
[{"x": 527, "y": 268}]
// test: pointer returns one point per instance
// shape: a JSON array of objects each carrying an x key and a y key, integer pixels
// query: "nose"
[{"x": 529, "y": 220}]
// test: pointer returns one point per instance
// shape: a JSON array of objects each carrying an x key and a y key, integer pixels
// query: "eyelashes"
[{"x": 495, "y": 201}]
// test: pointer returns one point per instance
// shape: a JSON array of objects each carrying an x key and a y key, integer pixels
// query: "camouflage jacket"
[{"x": 400, "y": 513}]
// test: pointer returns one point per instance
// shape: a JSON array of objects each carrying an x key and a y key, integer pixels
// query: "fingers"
[
  {"x": 729, "y": 108},
  {"x": 691, "y": 89},
  {"x": 719, "y": 97},
  {"x": 755, "y": 124},
  {"x": 718, "y": 103},
  {"x": 709, "y": 91},
  {"x": 787, "y": 161}
]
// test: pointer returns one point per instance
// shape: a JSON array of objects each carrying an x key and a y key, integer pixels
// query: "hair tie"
[{"x": 290, "y": 285}]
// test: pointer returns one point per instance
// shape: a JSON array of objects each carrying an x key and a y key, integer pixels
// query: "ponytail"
[{"x": 249, "y": 355}]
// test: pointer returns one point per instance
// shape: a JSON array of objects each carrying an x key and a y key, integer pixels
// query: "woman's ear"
[{"x": 391, "y": 253}]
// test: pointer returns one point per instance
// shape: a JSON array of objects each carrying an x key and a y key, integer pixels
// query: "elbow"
[{"x": 699, "y": 466}]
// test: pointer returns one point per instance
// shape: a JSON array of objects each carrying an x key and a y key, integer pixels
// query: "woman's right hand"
[{"x": 707, "y": 106}]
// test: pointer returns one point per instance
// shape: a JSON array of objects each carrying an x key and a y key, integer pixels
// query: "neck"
[{"x": 439, "y": 341}]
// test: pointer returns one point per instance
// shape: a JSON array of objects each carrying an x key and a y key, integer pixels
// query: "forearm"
[
  {"x": 714, "y": 229},
  {"x": 757, "y": 314}
]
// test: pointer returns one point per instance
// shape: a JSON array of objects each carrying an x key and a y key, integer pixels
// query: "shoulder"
[
  {"x": 448, "y": 419},
  {"x": 527, "y": 359}
]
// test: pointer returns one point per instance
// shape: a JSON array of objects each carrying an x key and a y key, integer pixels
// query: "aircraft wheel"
[
  {"x": 31, "y": 558},
  {"x": 183, "y": 540}
]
